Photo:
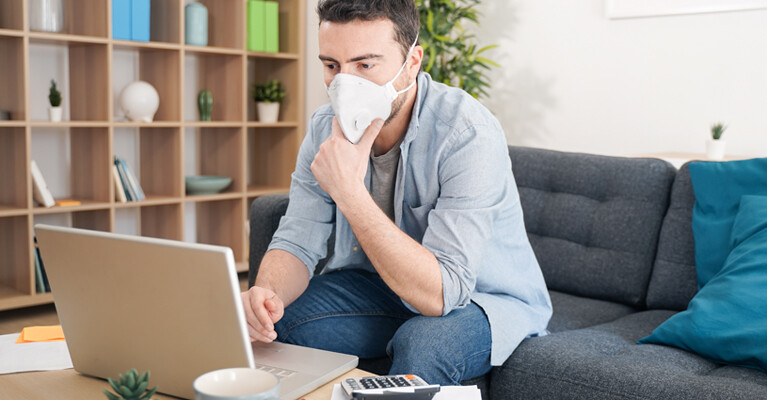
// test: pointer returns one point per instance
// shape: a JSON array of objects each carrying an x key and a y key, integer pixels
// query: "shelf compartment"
[
  {"x": 226, "y": 23},
  {"x": 161, "y": 154},
  {"x": 162, "y": 221},
  {"x": 271, "y": 157},
  {"x": 12, "y": 78},
  {"x": 16, "y": 267},
  {"x": 287, "y": 72},
  {"x": 216, "y": 151},
  {"x": 222, "y": 223},
  {"x": 80, "y": 71},
  {"x": 165, "y": 22},
  {"x": 96, "y": 220},
  {"x": 14, "y": 168},
  {"x": 222, "y": 75},
  {"x": 292, "y": 25},
  {"x": 85, "y": 18},
  {"x": 75, "y": 162},
  {"x": 12, "y": 14},
  {"x": 159, "y": 67}
]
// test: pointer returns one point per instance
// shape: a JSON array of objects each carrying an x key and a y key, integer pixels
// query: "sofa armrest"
[{"x": 265, "y": 215}]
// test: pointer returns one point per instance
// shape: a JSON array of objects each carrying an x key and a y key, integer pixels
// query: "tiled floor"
[{"x": 15, "y": 320}]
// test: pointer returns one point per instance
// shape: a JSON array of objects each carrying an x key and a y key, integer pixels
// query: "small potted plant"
[
  {"x": 268, "y": 97},
  {"x": 54, "y": 96},
  {"x": 715, "y": 146},
  {"x": 131, "y": 386}
]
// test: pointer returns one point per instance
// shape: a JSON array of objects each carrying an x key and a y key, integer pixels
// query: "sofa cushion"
[
  {"x": 727, "y": 320},
  {"x": 718, "y": 187},
  {"x": 593, "y": 221},
  {"x": 673, "y": 282},
  {"x": 604, "y": 362},
  {"x": 573, "y": 312}
]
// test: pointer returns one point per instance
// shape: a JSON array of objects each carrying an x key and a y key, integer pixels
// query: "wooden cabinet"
[{"x": 76, "y": 155}]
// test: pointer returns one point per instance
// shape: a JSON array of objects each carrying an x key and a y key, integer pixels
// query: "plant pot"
[
  {"x": 55, "y": 114},
  {"x": 268, "y": 112},
  {"x": 715, "y": 149},
  {"x": 46, "y": 15}
]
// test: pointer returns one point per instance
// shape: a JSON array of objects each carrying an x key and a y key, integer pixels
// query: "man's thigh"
[
  {"x": 443, "y": 350},
  {"x": 349, "y": 311}
]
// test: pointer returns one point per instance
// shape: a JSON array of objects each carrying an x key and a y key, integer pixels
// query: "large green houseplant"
[{"x": 451, "y": 55}]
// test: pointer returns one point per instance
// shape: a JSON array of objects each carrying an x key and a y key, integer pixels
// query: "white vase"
[
  {"x": 46, "y": 15},
  {"x": 139, "y": 101},
  {"x": 54, "y": 113},
  {"x": 268, "y": 112},
  {"x": 715, "y": 149}
]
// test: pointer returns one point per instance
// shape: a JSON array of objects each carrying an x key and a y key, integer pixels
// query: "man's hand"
[
  {"x": 263, "y": 308},
  {"x": 339, "y": 165}
]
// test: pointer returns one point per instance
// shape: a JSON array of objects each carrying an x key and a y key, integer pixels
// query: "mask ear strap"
[{"x": 412, "y": 46}]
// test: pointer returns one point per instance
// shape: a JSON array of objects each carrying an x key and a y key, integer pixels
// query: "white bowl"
[{"x": 237, "y": 384}]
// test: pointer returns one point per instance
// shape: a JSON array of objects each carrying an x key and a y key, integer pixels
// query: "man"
[{"x": 431, "y": 264}]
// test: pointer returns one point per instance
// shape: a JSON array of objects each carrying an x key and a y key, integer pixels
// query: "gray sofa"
[{"x": 613, "y": 237}]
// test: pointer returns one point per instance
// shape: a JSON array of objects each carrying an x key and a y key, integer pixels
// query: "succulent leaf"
[{"x": 110, "y": 396}]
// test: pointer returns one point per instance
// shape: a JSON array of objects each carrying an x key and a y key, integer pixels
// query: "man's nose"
[{"x": 347, "y": 68}]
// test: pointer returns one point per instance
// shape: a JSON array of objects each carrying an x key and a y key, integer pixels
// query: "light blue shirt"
[{"x": 456, "y": 195}]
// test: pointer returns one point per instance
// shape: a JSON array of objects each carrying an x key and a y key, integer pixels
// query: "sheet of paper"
[
  {"x": 445, "y": 393},
  {"x": 32, "y": 334},
  {"x": 26, "y": 357}
]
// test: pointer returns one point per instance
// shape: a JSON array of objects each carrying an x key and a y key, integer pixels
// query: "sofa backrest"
[
  {"x": 593, "y": 221},
  {"x": 673, "y": 282}
]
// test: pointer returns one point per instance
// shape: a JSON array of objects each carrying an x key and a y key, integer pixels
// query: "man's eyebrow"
[{"x": 355, "y": 59}]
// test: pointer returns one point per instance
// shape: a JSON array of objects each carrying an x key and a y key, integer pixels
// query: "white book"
[
  {"x": 40, "y": 190},
  {"x": 119, "y": 189}
]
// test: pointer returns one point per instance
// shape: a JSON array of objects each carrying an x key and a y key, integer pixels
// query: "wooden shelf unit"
[{"x": 259, "y": 157}]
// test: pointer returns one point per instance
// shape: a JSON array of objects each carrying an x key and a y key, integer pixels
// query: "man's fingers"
[{"x": 371, "y": 133}]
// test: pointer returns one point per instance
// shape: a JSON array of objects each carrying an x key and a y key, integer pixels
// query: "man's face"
[{"x": 363, "y": 48}]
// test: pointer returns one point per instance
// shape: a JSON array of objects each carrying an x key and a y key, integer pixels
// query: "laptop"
[{"x": 169, "y": 307}]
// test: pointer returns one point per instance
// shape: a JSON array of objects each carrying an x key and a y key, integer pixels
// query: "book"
[
  {"x": 256, "y": 26},
  {"x": 68, "y": 203},
  {"x": 40, "y": 190},
  {"x": 129, "y": 194},
  {"x": 133, "y": 181},
  {"x": 121, "y": 19},
  {"x": 140, "y": 20},
  {"x": 119, "y": 189},
  {"x": 39, "y": 283},
  {"x": 272, "y": 27}
]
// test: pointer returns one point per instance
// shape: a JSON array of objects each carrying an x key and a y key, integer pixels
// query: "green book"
[
  {"x": 272, "y": 11},
  {"x": 256, "y": 25}
]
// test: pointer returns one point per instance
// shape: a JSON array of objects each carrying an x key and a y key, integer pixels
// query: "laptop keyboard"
[{"x": 282, "y": 373}]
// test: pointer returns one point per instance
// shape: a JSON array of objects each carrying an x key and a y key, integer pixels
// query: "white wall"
[{"x": 574, "y": 80}]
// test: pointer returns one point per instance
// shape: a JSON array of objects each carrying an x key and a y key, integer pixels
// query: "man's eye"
[
  {"x": 365, "y": 66},
  {"x": 330, "y": 66}
]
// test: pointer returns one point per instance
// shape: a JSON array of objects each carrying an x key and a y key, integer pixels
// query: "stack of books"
[
  {"x": 131, "y": 19},
  {"x": 127, "y": 187},
  {"x": 263, "y": 26}
]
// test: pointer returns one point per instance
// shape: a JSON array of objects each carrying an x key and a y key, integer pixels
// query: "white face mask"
[{"x": 357, "y": 101}]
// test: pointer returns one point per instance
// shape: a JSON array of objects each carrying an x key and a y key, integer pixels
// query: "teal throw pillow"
[
  {"x": 727, "y": 320},
  {"x": 718, "y": 187}
]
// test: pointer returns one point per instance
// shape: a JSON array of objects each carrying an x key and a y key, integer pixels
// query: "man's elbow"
[{"x": 433, "y": 308}]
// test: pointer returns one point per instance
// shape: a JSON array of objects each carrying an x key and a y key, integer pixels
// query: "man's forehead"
[{"x": 358, "y": 33}]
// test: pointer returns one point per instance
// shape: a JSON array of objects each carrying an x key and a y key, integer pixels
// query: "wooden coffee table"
[{"x": 68, "y": 384}]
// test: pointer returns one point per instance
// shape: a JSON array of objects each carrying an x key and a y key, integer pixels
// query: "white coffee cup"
[{"x": 236, "y": 384}]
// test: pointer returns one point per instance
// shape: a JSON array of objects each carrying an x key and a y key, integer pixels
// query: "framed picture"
[{"x": 617, "y": 9}]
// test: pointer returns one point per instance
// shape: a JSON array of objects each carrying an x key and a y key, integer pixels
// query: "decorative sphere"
[{"x": 139, "y": 101}]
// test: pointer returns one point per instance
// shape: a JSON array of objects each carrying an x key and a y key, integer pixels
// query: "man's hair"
[{"x": 402, "y": 13}]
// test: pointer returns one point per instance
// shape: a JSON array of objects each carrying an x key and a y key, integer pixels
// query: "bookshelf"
[{"x": 75, "y": 155}]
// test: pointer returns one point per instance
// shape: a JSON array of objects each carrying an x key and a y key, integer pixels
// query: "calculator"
[{"x": 389, "y": 387}]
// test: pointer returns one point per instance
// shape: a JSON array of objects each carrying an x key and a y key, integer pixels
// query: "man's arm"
[
  {"x": 281, "y": 278},
  {"x": 408, "y": 268}
]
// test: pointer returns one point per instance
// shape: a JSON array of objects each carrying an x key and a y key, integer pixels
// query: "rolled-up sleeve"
[
  {"x": 308, "y": 221},
  {"x": 473, "y": 190}
]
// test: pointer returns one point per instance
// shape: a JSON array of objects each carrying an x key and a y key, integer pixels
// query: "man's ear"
[{"x": 414, "y": 62}]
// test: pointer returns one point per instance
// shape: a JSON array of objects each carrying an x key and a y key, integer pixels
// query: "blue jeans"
[{"x": 355, "y": 312}]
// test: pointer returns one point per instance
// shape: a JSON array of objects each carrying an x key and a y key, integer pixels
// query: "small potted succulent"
[
  {"x": 54, "y": 97},
  {"x": 268, "y": 97},
  {"x": 131, "y": 387},
  {"x": 715, "y": 146}
]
